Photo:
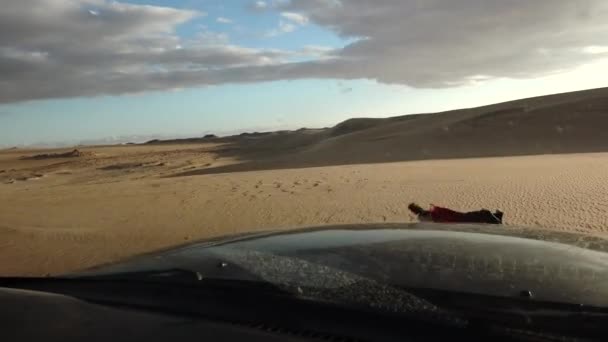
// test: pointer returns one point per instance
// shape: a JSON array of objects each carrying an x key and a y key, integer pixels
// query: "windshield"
[{"x": 135, "y": 126}]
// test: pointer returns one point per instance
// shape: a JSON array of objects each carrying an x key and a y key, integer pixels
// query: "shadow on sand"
[{"x": 246, "y": 160}]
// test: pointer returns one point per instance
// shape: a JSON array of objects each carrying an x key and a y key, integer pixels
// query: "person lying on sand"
[{"x": 445, "y": 215}]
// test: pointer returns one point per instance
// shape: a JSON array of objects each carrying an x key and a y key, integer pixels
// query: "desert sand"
[{"x": 542, "y": 161}]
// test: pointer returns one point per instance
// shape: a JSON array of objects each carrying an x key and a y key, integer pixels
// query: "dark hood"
[{"x": 489, "y": 260}]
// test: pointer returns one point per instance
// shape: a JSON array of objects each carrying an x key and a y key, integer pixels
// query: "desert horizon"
[{"x": 542, "y": 161}]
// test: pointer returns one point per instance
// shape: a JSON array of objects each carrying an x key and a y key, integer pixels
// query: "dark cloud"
[
  {"x": 435, "y": 43},
  {"x": 65, "y": 48}
]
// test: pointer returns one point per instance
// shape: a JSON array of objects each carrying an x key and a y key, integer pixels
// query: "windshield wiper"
[
  {"x": 172, "y": 275},
  {"x": 174, "y": 279}
]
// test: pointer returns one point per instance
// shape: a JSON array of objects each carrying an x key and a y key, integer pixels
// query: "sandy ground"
[
  {"x": 64, "y": 210},
  {"x": 63, "y": 214}
]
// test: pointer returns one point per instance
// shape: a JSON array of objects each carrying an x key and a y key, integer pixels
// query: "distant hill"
[{"x": 561, "y": 123}]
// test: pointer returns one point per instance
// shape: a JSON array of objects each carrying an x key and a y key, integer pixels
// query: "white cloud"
[
  {"x": 223, "y": 20},
  {"x": 267, "y": 5},
  {"x": 65, "y": 50},
  {"x": 206, "y": 37},
  {"x": 260, "y": 5},
  {"x": 295, "y": 17},
  {"x": 284, "y": 27},
  {"x": 291, "y": 23},
  {"x": 594, "y": 50},
  {"x": 317, "y": 50}
]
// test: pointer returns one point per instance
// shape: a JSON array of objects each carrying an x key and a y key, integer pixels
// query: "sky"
[{"x": 90, "y": 71}]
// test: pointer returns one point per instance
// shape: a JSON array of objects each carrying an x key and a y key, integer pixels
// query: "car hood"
[{"x": 479, "y": 259}]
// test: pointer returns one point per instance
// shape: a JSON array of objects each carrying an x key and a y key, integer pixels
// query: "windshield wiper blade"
[
  {"x": 172, "y": 280},
  {"x": 171, "y": 275}
]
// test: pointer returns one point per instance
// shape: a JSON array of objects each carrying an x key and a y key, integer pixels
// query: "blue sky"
[{"x": 275, "y": 102}]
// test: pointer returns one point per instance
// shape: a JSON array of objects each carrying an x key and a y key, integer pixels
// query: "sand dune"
[
  {"x": 539, "y": 160},
  {"x": 555, "y": 124}
]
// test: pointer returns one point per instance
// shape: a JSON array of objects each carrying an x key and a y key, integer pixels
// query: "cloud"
[
  {"x": 267, "y": 5},
  {"x": 223, "y": 20},
  {"x": 447, "y": 43},
  {"x": 317, "y": 52},
  {"x": 206, "y": 37},
  {"x": 67, "y": 48},
  {"x": 95, "y": 47},
  {"x": 295, "y": 18},
  {"x": 291, "y": 23},
  {"x": 596, "y": 50},
  {"x": 284, "y": 27},
  {"x": 260, "y": 5}
]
